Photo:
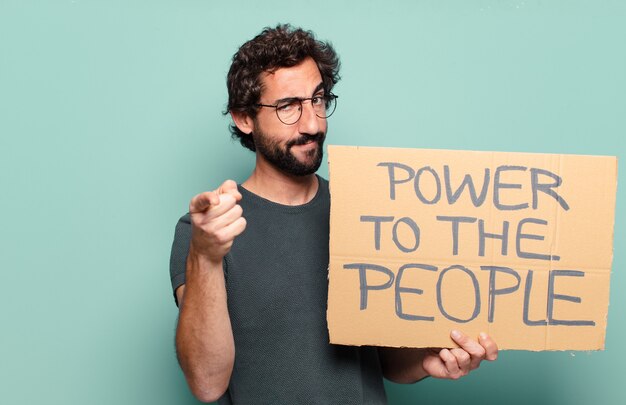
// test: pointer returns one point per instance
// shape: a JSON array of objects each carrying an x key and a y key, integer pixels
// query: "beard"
[{"x": 286, "y": 161}]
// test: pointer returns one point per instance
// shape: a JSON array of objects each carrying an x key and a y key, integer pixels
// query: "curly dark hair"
[{"x": 274, "y": 48}]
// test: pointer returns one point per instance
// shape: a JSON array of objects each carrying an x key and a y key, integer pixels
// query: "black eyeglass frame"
[{"x": 330, "y": 97}]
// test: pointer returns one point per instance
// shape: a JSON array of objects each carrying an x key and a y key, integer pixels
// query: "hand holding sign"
[
  {"x": 408, "y": 365},
  {"x": 216, "y": 220},
  {"x": 458, "y": 362}
]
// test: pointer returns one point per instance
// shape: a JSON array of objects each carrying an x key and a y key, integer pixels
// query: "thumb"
[{"x": 229, "y": 187}]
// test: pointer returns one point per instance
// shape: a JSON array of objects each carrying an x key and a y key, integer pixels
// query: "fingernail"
[
  {"x": 455, "y": 334},
  {"x": 483, "y": 335}
]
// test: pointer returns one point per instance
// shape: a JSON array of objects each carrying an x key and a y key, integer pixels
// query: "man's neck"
[{"x": 282, "y": 188}]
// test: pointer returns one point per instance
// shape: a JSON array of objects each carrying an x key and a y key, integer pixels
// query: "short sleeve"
[{"x": 180, "y": 250}]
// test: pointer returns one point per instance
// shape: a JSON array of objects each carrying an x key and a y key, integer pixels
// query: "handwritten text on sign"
[{"x": 422, "y": 241}]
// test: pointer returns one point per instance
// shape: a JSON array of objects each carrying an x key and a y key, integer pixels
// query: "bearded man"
[{"x": 249, "y": 262}]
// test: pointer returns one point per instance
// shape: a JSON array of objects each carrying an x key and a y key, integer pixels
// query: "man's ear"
[{"x": 243, "y": 121}]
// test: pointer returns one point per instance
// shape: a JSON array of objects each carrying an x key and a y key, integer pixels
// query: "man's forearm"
[
  {"x": 402, "y": 365},
  {"x": 204, "y": 338}
]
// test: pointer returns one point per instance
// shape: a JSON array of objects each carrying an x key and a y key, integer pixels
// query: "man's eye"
[
  {"x": 286, "y": 107},
  {"x": 317, "y": 100}
]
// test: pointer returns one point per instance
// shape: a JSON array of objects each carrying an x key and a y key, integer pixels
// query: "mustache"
[{"x": 303, "y": 139}]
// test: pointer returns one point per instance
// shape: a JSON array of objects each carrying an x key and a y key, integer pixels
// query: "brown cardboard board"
[{"x": 397, "y": 278}]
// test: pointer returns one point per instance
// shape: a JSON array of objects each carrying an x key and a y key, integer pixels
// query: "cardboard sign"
[{"x": 517, "y": 245}]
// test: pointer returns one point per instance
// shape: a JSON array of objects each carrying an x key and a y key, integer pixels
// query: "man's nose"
[{"x": 309, "y": 122}]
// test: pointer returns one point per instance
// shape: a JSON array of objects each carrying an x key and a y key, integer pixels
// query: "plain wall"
[{"x": 110, "y": 121}]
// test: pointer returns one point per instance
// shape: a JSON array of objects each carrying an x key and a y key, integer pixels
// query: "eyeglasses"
[{"x": 289, "y": 110}]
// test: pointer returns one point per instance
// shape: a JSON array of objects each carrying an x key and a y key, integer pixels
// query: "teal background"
[{"x": 110, "y": 121}]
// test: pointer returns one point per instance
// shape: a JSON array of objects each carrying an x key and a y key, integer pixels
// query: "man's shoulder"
[{"x": 185, "y": 219}]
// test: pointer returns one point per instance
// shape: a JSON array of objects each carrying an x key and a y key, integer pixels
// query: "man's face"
[{"x": 294, "y": 149}]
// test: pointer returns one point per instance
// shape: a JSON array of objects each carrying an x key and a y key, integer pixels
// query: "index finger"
[{"x": 203, "y": 201}]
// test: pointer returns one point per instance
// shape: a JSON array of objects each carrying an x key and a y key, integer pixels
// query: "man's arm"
[
  {"x": 405, "y": 366},
  {"x": 204, "y": 337}
]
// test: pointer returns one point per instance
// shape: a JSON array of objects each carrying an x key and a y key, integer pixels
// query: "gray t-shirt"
[{"x": 277, "y": 286}]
